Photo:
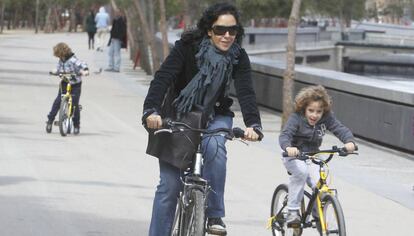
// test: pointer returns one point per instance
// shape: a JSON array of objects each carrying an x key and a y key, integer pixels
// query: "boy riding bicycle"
[
  {"x": 304, "y": 132},
  {"x": 68, "y": 64}
]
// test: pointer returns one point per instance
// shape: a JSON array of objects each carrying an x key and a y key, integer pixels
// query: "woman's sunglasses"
[{"x": 222, "y": 30}]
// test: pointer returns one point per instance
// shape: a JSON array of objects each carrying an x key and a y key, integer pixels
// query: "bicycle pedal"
[
  {"x": 293, "y": 225},
  {"x": 56, "y": 123}
]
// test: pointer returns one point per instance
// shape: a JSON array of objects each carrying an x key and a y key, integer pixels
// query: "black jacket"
[
  {"x": 180, "y": 67},
  {"x": 119, "y": 30}
]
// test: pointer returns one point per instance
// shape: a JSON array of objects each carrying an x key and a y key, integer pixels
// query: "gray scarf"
[{"x": 215, "y": 70}]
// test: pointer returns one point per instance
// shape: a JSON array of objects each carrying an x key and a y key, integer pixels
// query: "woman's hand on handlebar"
[
  {"x": 154, "y": 121},
  {"x": 292, "y": 151},
  {"x": 350, "y": 147},
  {"x": 250, "y": 135}
]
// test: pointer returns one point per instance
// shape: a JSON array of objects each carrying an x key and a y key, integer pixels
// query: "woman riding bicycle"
[
  {"x": 304, "y": 132},
  {"x": 202, "y": 65},
  {"x": 68, "y": 64}
]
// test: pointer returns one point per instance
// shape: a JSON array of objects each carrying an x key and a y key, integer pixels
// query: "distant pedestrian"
[
  {"x": 117, "y": 41},
  {"x": 91, "y": 29},
  {"x": 102, "y": 23}
]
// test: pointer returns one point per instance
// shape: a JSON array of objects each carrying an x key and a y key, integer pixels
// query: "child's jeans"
[{"x": 301, "y": 172}]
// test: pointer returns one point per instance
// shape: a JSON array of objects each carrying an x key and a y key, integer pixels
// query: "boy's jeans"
[
  {"x": 214, "y": 171},
  {"x": 301, "y": 173}
]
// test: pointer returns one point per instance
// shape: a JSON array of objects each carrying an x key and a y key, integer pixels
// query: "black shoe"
[
  {"x": 49, "y": 126},
  {"x": 76, "y": 130},
  {"x": 216, "y": 226},
  {"x": 293, "y": 219}
]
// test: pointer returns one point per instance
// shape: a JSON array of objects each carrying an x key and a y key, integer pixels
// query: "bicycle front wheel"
[
  {"x": 333, "y": 216},
  {"x": 194, "y": 219},
  {"x": 279, "y": 212},
  {"x": 64, "y": 117}
]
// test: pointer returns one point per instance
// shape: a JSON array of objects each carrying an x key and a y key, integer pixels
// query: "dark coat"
[
  {"x": 180, "y": 67},
  {"x": 119, "y": 30},
  {"x": 90, "y": 24}
]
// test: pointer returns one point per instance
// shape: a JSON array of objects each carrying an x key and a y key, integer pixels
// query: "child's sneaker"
[
  {"x": 49, "y": 126},
  {"x": 293, "y": 219},
  {"x": 76, "y": 130}
]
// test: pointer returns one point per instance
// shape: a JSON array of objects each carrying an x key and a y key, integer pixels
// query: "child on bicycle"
[
  {"x": 68, "y": 63},
  {"x": 304, "y": 132}
]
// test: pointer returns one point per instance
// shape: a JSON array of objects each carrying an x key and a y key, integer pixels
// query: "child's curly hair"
[
  {"x": 312, "y": 94},
  {"x": 61, "y": 50}
]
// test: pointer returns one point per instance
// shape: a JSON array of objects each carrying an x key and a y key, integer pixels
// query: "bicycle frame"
[{"x": 68, "y": 96}]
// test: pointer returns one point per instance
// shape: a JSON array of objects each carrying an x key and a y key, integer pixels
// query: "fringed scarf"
[{"x": 215, "y": 69}]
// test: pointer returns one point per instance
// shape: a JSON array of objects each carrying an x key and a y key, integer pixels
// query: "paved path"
[{"x": 102, "y": 183}]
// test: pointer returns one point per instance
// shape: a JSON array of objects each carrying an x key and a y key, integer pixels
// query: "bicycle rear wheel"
[
  {"x": 279, "y": 211},
  {"x": 333, "y": 216},
  {"x": 194, "y": 219},
  {"x": 64, "y": 117}
]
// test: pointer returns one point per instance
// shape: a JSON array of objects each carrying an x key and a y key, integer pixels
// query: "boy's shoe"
[
  {"x": 216, "y": 226},
  {"x": 76, "y": 130},
  {"x": 293, "y": 219},
  {"x": 49, "y": 126}
]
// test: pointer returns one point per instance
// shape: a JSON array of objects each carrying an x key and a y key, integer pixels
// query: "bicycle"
[
  {"x": 190, "y": 217},
  {"x": 66, "y": 110},
  {"x": 328, "y": 219}
]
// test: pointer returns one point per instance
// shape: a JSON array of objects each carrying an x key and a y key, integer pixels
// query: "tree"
[
  {"x": 289, "y": 75},
  {"x": 163, "y": 29},
  {"x": 148, "y": 36}
]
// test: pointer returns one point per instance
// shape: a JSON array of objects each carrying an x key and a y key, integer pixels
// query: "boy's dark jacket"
[{"x": 298, "y": 133}]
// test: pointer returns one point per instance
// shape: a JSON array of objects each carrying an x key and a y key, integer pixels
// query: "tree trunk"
[
  {"x": 37, "y": 17},
  {"x": 186, "y": 16},
  {"x": 3, "y": 6},
  {"x": 149, "y": 38},
  {"x": 163, "y": 28},
  {"x": 289, "y": 75}
]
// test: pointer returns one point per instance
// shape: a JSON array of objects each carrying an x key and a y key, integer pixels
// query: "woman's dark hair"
[{"x": 210, "y": 15}]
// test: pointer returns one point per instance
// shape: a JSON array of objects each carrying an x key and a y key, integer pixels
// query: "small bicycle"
[
  {"x": 66, "y": 110},
  {"x": 190, "y": 217},
  {"x": 322, "y": 211}
]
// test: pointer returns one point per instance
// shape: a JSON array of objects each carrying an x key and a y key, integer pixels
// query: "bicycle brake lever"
[{"x": 163, "y": 131}]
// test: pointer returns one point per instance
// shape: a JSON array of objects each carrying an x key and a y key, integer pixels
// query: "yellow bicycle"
[
  {"x": 66, "y": 109},
  {"x": 322, "y": 209}
]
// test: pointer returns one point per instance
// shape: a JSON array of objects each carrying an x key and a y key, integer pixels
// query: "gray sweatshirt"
[{"x": 298, "y": 133}]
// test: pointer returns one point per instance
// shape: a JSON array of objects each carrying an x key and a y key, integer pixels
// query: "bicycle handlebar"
[
  {"x": 64, "y": 76},
  {"x": 175, "y": 126},
  {"x": 312, "y": 155}
]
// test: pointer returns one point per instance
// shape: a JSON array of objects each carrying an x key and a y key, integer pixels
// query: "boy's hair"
[
  {"x": 61, "y": 50},
  {"x": 311, "y": 94}
]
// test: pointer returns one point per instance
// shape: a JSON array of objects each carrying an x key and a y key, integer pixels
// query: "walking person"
[
  {"x": 118, "y": 40},
  {"x": 102, "y": 23},
  {"x": 202, "y": 65},
  {"x": 91, "y": 29}
]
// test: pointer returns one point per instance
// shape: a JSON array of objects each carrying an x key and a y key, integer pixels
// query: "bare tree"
[
  {"x": 163, "y": 28},
  {"x": 149, "y": 37},
  {"x": 3, "y": 6},
  {"x": 289, "y": 75}
]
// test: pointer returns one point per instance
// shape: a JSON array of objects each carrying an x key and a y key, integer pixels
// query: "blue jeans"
[
  {"x": 214, "y": 171},
  {"x": 114, "y": 54}
]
